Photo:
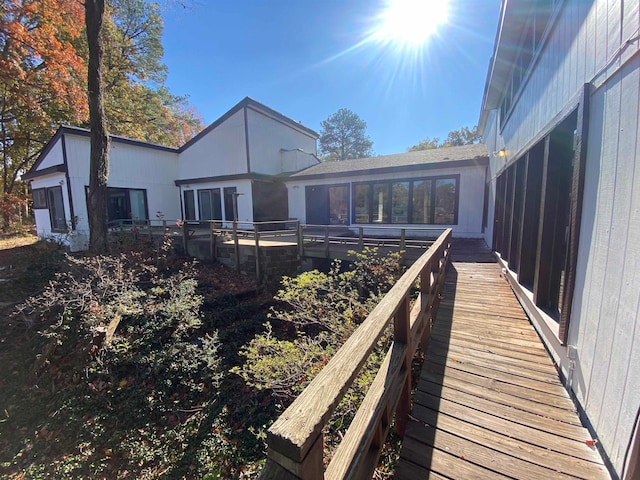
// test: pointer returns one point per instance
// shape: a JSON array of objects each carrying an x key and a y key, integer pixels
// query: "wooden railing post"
[
  {"x": 310, "y": 467},
  {"x": 402, "y": 334},
  {"x": 236, "y": 245},
  {"x": 257, "y": 235},
  {"x": 326, "y": 242},
  {"x": 403, "y": 240},
  {"x": 361, "y": 238},
  {"x": 300, "y": 240},
  {"x": 212, "y": 240},
  {"x": 185, "y": 237}
]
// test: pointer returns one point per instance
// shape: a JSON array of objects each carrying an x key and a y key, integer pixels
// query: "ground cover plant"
[{"x": 145, "y": 364}]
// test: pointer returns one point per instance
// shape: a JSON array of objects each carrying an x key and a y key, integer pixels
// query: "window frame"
[
  {"x": 388, "y": 207},
  {"x": 52, "y": 210},
  {"x": 39, "y": 198}
]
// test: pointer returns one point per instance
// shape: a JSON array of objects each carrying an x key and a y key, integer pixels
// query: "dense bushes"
[
  {"x": 124, "y": 367},
  {"x": 317, "y": 312}
]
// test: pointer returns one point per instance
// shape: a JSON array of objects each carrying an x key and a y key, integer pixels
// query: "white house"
[
  {"x": 560, "y": 117},
  {"x": 269, "y": 163},
  {"x": 245, "y": 151}
]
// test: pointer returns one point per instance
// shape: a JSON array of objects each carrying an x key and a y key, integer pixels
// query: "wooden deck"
[{"x": 489, "y": 403}]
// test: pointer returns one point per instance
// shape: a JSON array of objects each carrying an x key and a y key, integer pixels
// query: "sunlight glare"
[{"x": 410, "y": 23}]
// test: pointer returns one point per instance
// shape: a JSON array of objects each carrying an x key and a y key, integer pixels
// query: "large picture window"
[
  {"x": 423, "y": 201},
  {"x": 126, "y": 204}
]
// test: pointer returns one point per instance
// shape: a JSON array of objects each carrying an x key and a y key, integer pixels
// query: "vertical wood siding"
[
  {"x": 605, "y": 327},
  {"x": 595, "y": 42}
]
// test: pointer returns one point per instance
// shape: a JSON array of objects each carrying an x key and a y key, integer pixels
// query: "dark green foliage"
[
  {"x": 343, "y": 136},
  {"x": 324, "y": 309}
]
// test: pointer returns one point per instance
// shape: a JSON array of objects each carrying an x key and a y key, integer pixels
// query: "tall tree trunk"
[{"x": 99, "y": 163}]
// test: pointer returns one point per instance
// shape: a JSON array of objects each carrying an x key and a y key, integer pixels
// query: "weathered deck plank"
[{"x": 489, "y": 403}]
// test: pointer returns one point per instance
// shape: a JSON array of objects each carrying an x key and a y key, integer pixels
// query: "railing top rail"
[
  {"x": 296, "y": 430},
  {"x": 375, "y": 227}
]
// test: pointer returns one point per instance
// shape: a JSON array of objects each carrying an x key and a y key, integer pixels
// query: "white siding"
[
  {"x": 267, "y": 137},
  {"x": 222, "y": 151},
  {"x": 130, "y": 166},
  {"x": 472, "y": 181},
  {"x": 54, "y": 157}
]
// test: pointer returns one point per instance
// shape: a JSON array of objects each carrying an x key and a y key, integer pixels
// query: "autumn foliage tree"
[{"x": 41, "y": 80}]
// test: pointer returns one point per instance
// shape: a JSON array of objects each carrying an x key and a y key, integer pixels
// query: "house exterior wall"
[
  {"x": 470, "y": 206},
  {"x": 41, "y": 215},
  {"x": 130, "y": 166},
  {"x": 596, "y": 43},
  {"x": 268, "y": 138},
  {"x": 222, "y": 151}
]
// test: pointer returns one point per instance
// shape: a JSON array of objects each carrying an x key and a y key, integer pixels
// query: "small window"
[{"x": 39, "y": 198}]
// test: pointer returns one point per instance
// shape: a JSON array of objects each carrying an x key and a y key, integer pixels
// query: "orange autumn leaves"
[{"x": 42, "y": 75}]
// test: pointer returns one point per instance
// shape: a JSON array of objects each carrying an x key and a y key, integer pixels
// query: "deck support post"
[
  {"x": 300, "y": 239},
  {"x": 258, "y": 272},
  {"x": 326, "y": 242},
  {"x": 212, "y": 240},
  {"x": 361, "y": 238},
  {"x": 403, "y": 239},
  {"x": 185, "y": 237},
  {"x": 402, "y": 335},
  {"x": 236, "y": 245}
]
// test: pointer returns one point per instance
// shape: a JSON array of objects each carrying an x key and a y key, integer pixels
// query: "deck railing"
[{"x": 295, "y": 440}]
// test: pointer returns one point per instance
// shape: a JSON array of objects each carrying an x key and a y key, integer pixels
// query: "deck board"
[{"x": 489, "y": 403}]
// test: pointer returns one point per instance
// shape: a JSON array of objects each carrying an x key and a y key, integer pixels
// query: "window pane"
[
  {"x": 138, "y": 205},
  {"x": 39, "y": 198},
  {"x": 400, "y": 202},
  {"x": 228, "y": 203},
  {"x": 361, "y": 201},
  {"x": 339, "y": 205},
  {"x": 56, "y": 209},
  {"x": 421, "y": 202},
  {"x": 204, "y": 198},
  {"x": 380, "y": 203},
  {"x": 216, "y": 201},
  {"x": 189, "y": 205},
  {"x": 445, "y": 201}
]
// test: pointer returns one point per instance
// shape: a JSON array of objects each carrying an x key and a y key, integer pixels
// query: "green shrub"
[{"x": 323, "y": 310}]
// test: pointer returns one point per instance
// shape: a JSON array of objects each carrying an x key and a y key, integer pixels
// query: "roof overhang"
[
  {"x": 474, "y": 162},
  {"x": 511, "y": 25}
]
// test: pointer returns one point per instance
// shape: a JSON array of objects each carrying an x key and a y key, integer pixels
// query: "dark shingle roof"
[{"x": 434, "y": 158}]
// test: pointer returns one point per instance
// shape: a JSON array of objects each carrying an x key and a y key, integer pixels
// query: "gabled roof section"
[
  {"x": 83, "y": 132},
  {"x": 248, "y": 102},
  {"x": 445, "y": 157}
]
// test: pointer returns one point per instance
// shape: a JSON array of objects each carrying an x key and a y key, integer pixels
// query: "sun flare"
[{"x": 410, "y": 23}]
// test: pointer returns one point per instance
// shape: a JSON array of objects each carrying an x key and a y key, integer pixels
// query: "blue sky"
[{"x": 306, "y": 59}]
